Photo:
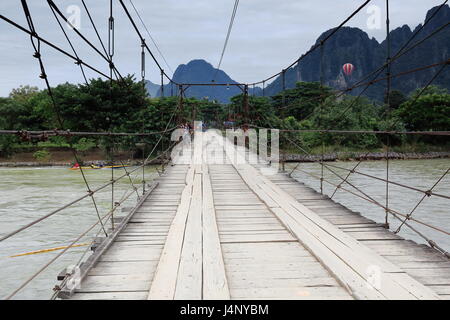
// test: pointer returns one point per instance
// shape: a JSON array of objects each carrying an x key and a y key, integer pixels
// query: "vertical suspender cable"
[
  {"x": 388, "y": 94},
  {"x": 283, "y": 87},
  {"x": 180, "y": 104},
  {"x": 245, "y": 102},
  {"x": 162, "y": 83},
  {"x": 143, "y": 124},
  {"x": 322, "y": 75},
  {"x": 227, "y": 38},
  {"x": 111, "y": 66}
]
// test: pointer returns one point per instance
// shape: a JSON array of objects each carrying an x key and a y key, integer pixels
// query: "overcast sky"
[{"x": 267, "y": 35}]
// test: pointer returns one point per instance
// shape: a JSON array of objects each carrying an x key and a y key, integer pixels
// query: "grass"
[{"x": 42, "y": 144}]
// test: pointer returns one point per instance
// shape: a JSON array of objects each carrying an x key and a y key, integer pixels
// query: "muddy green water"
[{"x": 28, "y": 193}]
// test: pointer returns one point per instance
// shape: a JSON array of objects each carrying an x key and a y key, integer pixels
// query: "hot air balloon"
[{"x": 348, "y": 69}]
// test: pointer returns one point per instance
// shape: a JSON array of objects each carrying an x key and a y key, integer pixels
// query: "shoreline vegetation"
[
  {"x": 298, "y": 112},
  {"x": 65, "y": 158}
]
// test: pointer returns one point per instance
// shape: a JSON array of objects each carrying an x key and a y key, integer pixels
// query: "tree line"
[{"x": 125, "y": 107}]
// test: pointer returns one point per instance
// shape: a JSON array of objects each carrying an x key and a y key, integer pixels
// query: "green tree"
[
  {"x": 261, "y": 111},
  {"x": 430, "y": 111},
  {"x": 302, "y": 100},
  {"x": 350, "y": 113},
  {"x": 396, "y": 98}
]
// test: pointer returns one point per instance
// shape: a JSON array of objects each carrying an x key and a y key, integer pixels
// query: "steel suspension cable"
[
  {"x": 316, "y": 46},
  {"x": 388, "y": 109},
  {"x": 34, "y": 222},
  {"x": 89, "y": 43},
  {"x": 402, "y": 51},
  {"x": 39, "y": 38},
  {"x": 142, "y": 39},
  {"x": 70, "y": 44},
  {"x": 44, "y": 267},
  {"x": 43, "y": 75},
  {"x": 227, "y": 38},
  {"x": 371, "y": 200},
  {"x": 94, "y": 26},
  {"x": 395, "y": 214},
  {"x": 408, "y": 216},
  {"x": 151, "y": 37}
]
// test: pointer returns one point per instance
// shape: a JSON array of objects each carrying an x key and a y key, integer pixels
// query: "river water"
[{"x": 28, "y": 193}]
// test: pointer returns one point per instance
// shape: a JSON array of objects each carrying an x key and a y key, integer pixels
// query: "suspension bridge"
[{"x": 223, "y": 222}]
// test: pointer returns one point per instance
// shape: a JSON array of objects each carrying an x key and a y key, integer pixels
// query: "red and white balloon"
[{"x": 348, "y": 69}]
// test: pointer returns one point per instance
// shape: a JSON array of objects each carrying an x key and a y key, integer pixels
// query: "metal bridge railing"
[
  {"x": 107, "y": 217},
  {"x": 405, "y": 219}
]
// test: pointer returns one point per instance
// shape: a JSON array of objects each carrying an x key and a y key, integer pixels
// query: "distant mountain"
[
  {"x": 348, "y": 45},
  {"x": 152, "y": 88},
  {"x": 200, "y": 71},
  {"x": 352, "y": 45}
]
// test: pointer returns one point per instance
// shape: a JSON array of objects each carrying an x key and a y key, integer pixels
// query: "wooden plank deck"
[
  {"x": 219, "y": 229},
  {"x": 420, "y": 261}
]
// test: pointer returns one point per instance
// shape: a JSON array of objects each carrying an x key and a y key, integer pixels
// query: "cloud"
[{"x": 267, "y": 35}]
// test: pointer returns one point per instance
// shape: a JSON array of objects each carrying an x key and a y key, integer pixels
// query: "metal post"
[
  {"x": 264, "y": 89},
  {"x": 388, "y": 93},
  {"x": 162, "y": 83},
  {"x": 143, "y": 124},
  {"x": 283, "y": 79},
  {"x": 180, "y": 103},
  {"x": 245, "y": 104},
  {"x": 143, "y": 62},
  {"x": 193, "y": 115},
  {"x": 112, "y": 184},
  {"x": 111, "y": 65},
  {"x": 321, "y": 115}
]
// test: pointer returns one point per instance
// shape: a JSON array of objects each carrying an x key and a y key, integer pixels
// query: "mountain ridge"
[{"x": 348, "y": 45}]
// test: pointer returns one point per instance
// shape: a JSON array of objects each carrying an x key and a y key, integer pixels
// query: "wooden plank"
[
  {"x": 394, "y": 284},
  {"x": 115, "y": 283},
  {"x": 348, "y": 259},
  {"x": 66, "y": 292},
  {"x": 189, "y": 278},
  {"x": 215, "y": 285},
  {"x": 164, "y": 281}
]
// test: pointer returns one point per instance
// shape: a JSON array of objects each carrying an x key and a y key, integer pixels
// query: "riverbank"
[
  {"x": 352, "y": 156},
  {"x": 64, "y": 158},
  {"x": 20, "y": 160}
]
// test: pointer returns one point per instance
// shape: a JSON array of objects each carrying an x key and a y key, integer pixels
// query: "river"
[{"x": 28, "y": 193}]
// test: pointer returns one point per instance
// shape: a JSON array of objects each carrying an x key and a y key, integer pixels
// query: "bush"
[
  {"x": 85, "y": 144},
  {"x": 42, "y": 155},
  {"x": 7, "y": 145}
]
